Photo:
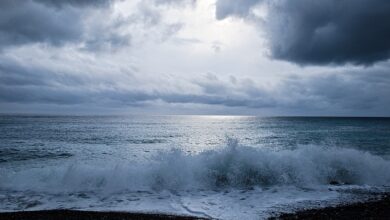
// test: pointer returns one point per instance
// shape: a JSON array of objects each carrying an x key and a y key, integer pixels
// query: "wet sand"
[
  {"x": 87, "y": 215},
  {"x": 373, "y": 209}
]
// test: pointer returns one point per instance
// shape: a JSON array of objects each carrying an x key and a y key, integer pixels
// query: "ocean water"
[{"x": 223, "y": 167}]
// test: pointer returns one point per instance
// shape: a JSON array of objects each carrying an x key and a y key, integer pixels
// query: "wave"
[
  {"x": 14, "y": 154},
  {"x": 233, "y": 166}
]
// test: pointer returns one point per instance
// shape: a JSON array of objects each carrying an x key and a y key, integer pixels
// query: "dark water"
[
  {"x": 44, "y": 158},
  {"x": 53, "y": 137}
]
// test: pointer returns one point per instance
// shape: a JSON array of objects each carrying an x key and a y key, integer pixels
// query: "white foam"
[{"x": 249, "y": 181}]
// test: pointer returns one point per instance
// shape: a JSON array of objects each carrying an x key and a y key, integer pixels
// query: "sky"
[{"x": 228, "y": 57}]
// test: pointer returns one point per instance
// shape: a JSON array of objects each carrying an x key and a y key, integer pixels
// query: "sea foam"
[{"x": 233, "y": 166}]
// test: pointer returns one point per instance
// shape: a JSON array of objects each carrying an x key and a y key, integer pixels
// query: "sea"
[{"x": 220, "y": 167}]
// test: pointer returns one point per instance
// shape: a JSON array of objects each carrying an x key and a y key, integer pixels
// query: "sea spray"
[
  {"x": 125, "y": 163},
  {"x": 234, "y": 166}
]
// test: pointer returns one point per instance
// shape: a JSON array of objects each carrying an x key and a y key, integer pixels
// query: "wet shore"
[
  {"x": 373, "y": 209},
  {"x": 88, "y": 215},
  {"x": 378, "y": 208}
]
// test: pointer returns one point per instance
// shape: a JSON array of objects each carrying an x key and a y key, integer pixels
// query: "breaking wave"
[{"x": 234, "y": 166}]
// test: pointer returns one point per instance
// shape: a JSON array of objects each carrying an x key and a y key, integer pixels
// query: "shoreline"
[
  {"x": 376, "y": 208},
  {"x": 66, "y": 214}
]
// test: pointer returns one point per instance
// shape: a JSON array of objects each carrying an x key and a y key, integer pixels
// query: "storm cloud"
[
  {"x": 353, "y": 92},
  {"x": 188, "y": 56},
  {"x": 320, "y": 32},
  {"x": 31, "y": 84},
  {"x": 77, "y": 3},
  {"x": 52, "y": 22}
]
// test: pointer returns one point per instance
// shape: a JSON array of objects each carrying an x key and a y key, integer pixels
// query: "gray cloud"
[
  {"x": 80, "y": 23},
  {"x": 225, "y": 8},
  {"x": 321, "y": 32},
  {"x": 22, "y": 22},
  {"x": 175, "y": 2},
  {"x": 36, "y": 85},
  {"x": 76, "y": 3},
  {"x": 55, "y": 23},
  {"x": 22, "y": 84},
  {"x": 352, "y": 92},
  {"x": 355, "y": 92},
  {"x": 298, "y": 31}
]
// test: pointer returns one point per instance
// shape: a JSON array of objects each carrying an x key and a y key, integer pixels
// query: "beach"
[
  {"x": 88, "y": 215},
  {"x": 378, "y": 208}
]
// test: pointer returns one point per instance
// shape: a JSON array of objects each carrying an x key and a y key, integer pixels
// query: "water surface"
[{"x": 226, "y": 167}]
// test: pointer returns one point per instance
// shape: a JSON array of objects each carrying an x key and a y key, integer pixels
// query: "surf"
[{"x": 233, "y": 166}]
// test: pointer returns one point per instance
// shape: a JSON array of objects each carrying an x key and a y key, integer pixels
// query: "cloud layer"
[
  {"x": 169, "y": 56},
  {"x": 353, "y": 92},
  {"x": 57, "y": 23},
  {"x": 320, "y": 32}
]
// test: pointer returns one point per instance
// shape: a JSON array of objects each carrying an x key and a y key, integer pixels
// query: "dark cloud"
[
  {"x": 106, "y": 41},
  {"x": 47, "y": 21},
  {"x": 355, "y": 92},
  {"x": 321, "y": 32},
  {"x": 19, "y": 85},
  {"x": 358, "y": 91},
  {"x": 23, "y": 22},
  {"x": 91, "y": 25},
  {"x": 22, "y": 84},
  {"x": 75, "y": 3},
  {"x": 28, "y": 84}
]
